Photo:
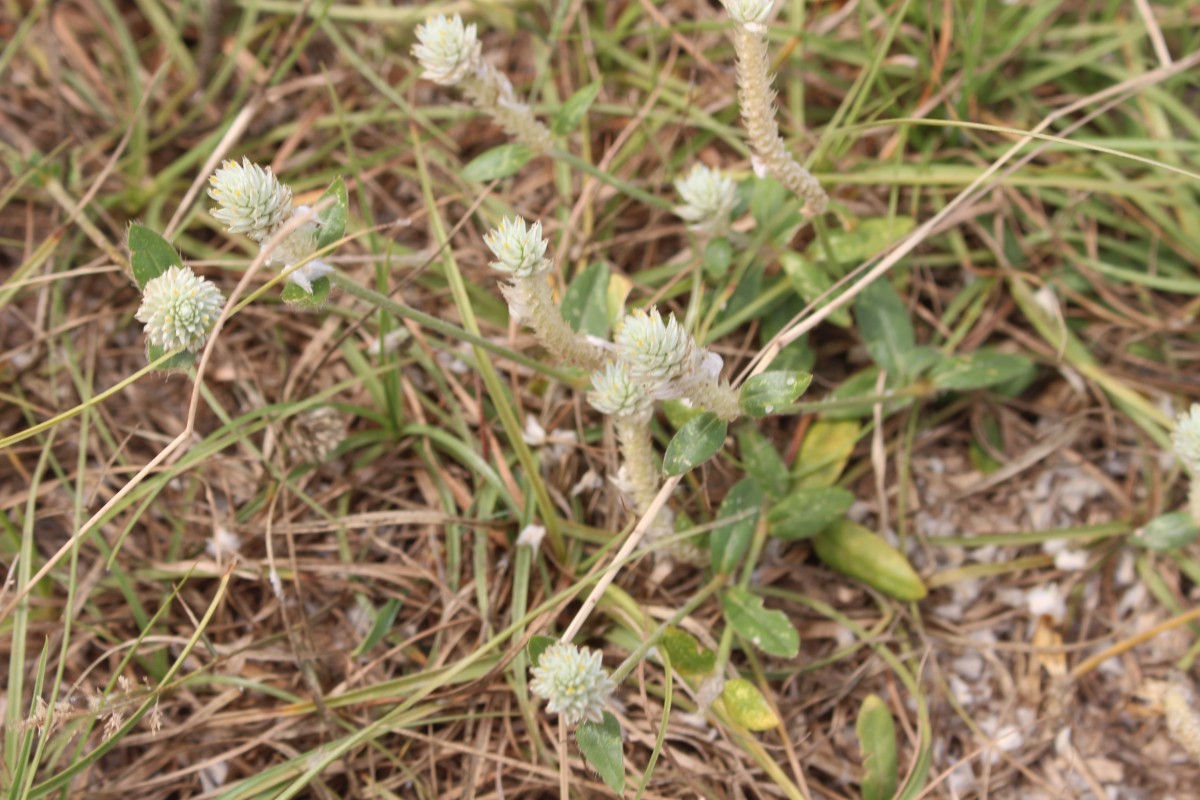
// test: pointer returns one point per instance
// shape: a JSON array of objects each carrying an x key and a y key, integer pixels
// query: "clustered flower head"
[
  {"x": 614, "y": 392},
  {"x": 1186, "y": 438},
  {"x": 655, "y": 351},
  {"x": 519, "y": 249},
  {"x": 447, "y": 50},
  {"x": 254, "y": 202},
  {"x": 179, "y": 309},
  {"x": 574, "y": 682},
  {"x": 708, "y": 198},
  {"x": 252, "y": 199},
  {"x": 748, "y": 12},
  {"x": 451, "y": 55}
]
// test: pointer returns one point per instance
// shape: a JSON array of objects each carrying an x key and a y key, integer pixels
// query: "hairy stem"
[
  {"x": 757, "y": 100},
  {"x": 490, "y": 91},
  {"x": 532, "y": 300},
  {"x": 637, "y": 449}
]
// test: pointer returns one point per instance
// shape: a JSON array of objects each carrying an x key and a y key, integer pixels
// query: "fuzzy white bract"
[
  {"x": 519, "y": 248},
  {"x": 655, "y": 351},
  {"x": 252, "y": 199},
  {"x": 447, "y": 50},
  {"x": 573, "y": 681},
  {"x": 179, "y": 309},
  {"x": 1186, "y": 437},
  {"x": 748, "y": 12},
  {"x": 708, "y": 198},
  {"x": 614, "y": 392}
]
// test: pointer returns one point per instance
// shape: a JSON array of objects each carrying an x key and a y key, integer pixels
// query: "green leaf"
[
  {"x": 688, "y": 656},
  {"x": 296, "y": 297},
  {"x": 877, "y": 737},
  {"x": 385, "y": 617},
  {"x": 149, "y": 254},
  {"x": 806, "y": 512},
  {"x": 728, "y": 541},
  {"x": 718, "y": 255},
  {"x": 762, "y": 461},
  {"x": 696, "y": 442},
  {"x": 537, "y": 646},
  {"x": 810, "y": 282},
  {"x": 978, "y": 370},
  {"x": 575, "y": 109},
  {"x": 585, "y": 303},
  {"x": 772, "y": 392},
  {"x": 332, "y": 220},
  {"x": 179, "y": 361},
  {"x": 601, "y": 745},
  {"x": 868, "y": 237},
  {"x": 768, "y": 630},
  {"x": 746, "y": 705},
  {"x": 824, "y": 452},
  {"x": 863, "y": 384},
  {"x": 885, "y": 327},
  {"x": 1168, "y": 532},
  {"x": 863, "y": 555},
  {"x": 499, "y": 162}
]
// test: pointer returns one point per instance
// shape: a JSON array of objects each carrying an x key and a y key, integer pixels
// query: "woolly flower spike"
[
  {"x": 179, "y": 309},
  {"x": 252, "y": 199},
  {"x": 748, "y": 12},
  {"x": 656, "y": 351},
  {"x": 708, "y": 198},
  {"x": 1186, "y": 438},
  {"x": 614, "y": 392},
  {"x": 521, "y": 250},
  {"x": 573, "y": 681},
  {"x": 447, "y": 49}
]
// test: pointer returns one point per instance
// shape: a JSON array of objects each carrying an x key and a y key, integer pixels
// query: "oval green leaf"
[
  {"x": 149, "y": 255},
  {"x": 767, "y": 629},
  {"x": 1168, "y": 532},
  {"x": 863, "y": 555},
  {"x": 332, "y": 219},
  {"x": 738, "y": 515},
  {"x": 746, "y": 705},
  {"x": 805, "y": 512},
  {"x": 499, "y": 162},
  {"x": 762, "y": 461},
  {"x": 296, "y": 297},
  {"x": 772, "y": 392},
  {"x": 978, "y": 370},
  {"x": 688, "y": 656},
  {"x": 877, "y": 737},
  {"x": 537, "y": 646},
  {"x": 885, "y": 327},
  {"x": 601, "y": 746},
  {"x": 177, "y": 362},
  {"x": 575, "y": 109},
  {"x": 696, "y": 442},
  {"x": 585, "y": 303}
]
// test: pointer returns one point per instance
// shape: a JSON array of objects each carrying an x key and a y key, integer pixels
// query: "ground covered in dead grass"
[{"x": 358, "y": 459}]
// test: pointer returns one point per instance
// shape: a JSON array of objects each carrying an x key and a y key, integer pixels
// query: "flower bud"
[
  {"x": 574, "y": 682},
  {"x": 447, "y": 50},
  {"x": 179, "y": 309}
]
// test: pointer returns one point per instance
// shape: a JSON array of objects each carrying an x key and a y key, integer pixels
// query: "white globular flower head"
[
  {"x": 447, "y": 50},
  {"x": 656, "y": 351},
  {"x": 179, "y": 309},
  {"x": 519, "y": 248},
  {"x": 573, "y": 681},
  {"x": 615, "y": 392},
  {"x": 252, "y": 199},
  {"x": 708, "y": 197},
  {"x": 748, "y": 12},
  {"x": 1186, "y": 438}
]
